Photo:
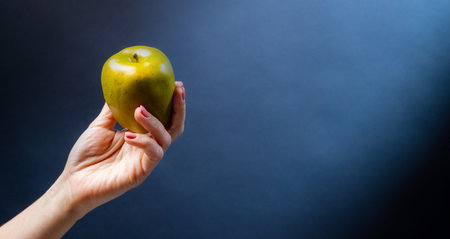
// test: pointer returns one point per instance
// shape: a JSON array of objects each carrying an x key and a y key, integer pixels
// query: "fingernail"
[
  {"x": 180, "y": 84},
  {"x": 130, "y": 135},
  {"x": 183, "y": 94},
  {"x": 144, "y": 112}
]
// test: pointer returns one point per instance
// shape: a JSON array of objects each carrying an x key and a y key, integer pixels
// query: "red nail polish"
[
  {"x": 183, "y": 94},
  {"x": 130, "y": 135},
  {"x": 144, "y": 112}
]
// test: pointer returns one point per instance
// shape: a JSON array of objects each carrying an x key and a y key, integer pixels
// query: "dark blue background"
[{"x": 306, "y": 119}]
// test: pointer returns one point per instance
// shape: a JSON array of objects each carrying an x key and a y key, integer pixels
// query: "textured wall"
[{"x": 306, "y": 119}]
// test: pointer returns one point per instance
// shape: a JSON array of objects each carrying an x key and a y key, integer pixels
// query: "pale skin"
[{"x": 103, "y": 164}]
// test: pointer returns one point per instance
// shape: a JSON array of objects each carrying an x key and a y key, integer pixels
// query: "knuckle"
[
  {"x": 159, "y": 153},
  {"x": 179, "y": 130},
  {"x": 176, "y": 132},
  {"x": 155, "y": 152},
  {"x": 167, "y": 138}
]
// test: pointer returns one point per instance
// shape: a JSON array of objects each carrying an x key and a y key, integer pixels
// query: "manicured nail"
[
  {"x": 183, "y": 94},
  {"x": 144, "y": 112},
  {"x": 179, "y": 84},
  {"x": 130, "y": 135}
]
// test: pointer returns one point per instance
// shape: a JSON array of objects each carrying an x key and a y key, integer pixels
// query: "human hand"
[{"x": 105, "y": 163}]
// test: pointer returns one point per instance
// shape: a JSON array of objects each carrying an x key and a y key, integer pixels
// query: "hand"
[{"x": 105, "y": 163}]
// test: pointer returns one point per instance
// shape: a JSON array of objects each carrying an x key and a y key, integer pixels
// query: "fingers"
[
  {"x": 154, "y": 126},
  {"x": 162, "y": 136},
  {"x": 105, "y": 119},
  {"x": 176, "y": 127},
  {"x": 151, "y": 148}
]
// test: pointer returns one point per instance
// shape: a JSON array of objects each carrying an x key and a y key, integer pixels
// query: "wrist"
[{"x": 61, "y": 202}]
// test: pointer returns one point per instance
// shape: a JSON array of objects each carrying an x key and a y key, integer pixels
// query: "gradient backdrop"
[{"x": 306, "y": 119}]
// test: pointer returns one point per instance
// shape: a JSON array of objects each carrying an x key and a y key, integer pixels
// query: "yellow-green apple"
[{"x": 138, "y": 75}]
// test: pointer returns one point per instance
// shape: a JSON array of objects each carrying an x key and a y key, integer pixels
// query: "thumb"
[{"x": 105, "y": 119}]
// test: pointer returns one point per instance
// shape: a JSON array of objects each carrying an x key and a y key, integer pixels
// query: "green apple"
[{"x": 138, "y": 75}]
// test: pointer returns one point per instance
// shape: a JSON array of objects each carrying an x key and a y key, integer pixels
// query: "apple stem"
[{"x": 134, "y": 58}]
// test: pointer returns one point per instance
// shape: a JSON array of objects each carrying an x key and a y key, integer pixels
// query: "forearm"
[{"x": 51, "y": 216}]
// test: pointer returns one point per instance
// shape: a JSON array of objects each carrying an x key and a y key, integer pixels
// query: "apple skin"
[{"x": 138, "y": 75}]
